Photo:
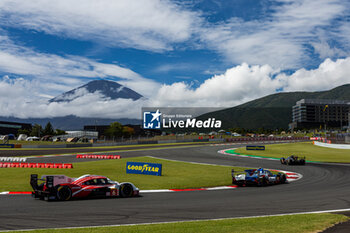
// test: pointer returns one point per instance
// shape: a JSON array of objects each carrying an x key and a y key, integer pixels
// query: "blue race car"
[{"x": 259, "y": 177}]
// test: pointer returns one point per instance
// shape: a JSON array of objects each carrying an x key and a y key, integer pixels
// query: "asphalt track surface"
[{"x": 323, "y": 187}]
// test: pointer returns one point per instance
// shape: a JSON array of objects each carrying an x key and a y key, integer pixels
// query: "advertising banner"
[
  {"x": 154, "y": 169},
  {"x": 255, "y": 148},
  {"x": 7, "y": 145}
]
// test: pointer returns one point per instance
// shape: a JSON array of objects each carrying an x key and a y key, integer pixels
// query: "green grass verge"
[
  {"x": 174, "y": 174},
  {"x": 307, "y": 149},
  {"x": 304, "y": 223},
  {"x": 115, "y": 147}
]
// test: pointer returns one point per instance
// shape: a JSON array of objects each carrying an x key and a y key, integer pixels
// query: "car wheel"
[
  {"x": 126, "y": 190},
  {"x": 64, "y": 193},
  {"x": 265, "y": 181},
  {"x": 283, "y": 160},
  {"x": 262, "y": 182},
  {"x": 283, "y": 179},
  {"x": 278, "y": 179}
]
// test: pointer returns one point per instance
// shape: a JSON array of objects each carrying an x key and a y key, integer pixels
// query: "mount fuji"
[{"x": 109, "y": 89}]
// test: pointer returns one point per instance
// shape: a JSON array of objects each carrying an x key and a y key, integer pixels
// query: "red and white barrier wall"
[
  {"x": 35, "y": 165},
  {"x": 86, "y": 156}
]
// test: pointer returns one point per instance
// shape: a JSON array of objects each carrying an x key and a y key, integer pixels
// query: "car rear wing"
[
  {"x": 233, "y": 172},
  {"x": 34, "y": 181}
]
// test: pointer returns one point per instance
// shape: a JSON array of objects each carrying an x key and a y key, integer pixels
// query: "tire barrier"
[
  {"x": 12, "y": 159},
  {"x": 98, "y": 156},
  {"x": 35, "y": 165}
]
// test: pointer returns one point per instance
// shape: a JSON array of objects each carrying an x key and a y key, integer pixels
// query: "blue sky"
[{"x": 176, "y": 53}]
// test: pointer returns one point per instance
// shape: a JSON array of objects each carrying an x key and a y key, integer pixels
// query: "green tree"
[
  {"x": 60, "y": 132},
  {"x": 114, "y": 130},
  {"x": 128, "y": 131},
  {"x": 238, "y": 130},
  {"x": 49, "y": 129},
  {"x": 23, "y": 131},
  {"x": 37, "y": 131}
]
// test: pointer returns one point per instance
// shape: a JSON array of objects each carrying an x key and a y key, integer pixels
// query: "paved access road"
[{"x": 323, "y": 187}]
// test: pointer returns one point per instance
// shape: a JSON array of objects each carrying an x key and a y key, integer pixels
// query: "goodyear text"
[
  {"x": 255, "y": 148},
  {"x": 154, "y": 169}
]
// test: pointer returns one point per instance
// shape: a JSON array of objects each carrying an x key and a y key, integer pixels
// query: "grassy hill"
[{"x": 272, "y": 111}]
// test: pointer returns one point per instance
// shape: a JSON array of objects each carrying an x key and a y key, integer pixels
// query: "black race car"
[{"x": 293, "y": 160}]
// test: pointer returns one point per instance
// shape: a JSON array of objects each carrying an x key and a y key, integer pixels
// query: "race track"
[{"x": 323, "y": 187}]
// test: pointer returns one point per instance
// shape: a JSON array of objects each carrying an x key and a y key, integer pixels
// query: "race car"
[
  {"x": 64, "y": 188},
  {"x": 293, "y": 160},
  {"x": 259, "y": 177}
]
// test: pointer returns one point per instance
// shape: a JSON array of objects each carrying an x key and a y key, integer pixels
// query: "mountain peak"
[{"x": 109, "y": 89}]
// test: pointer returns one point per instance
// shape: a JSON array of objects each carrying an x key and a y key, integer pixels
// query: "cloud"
[
  {"x": 290, "y": 35},
  {"x": 282, "y": 38},
  {"x": 328, "y": 75},
  {"x": 165, "y": 68},
  {"x": 17, "y": 100},
  {"x": 244, "y": 83},
  {"x": 55, "y": 74},
  {"x": 237, "y": 85},
  {"x": 144, "y": 24},
  {"x": 325, "y": 51}
]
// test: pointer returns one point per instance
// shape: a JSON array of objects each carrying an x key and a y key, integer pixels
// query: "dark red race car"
[{"x": 64, "y": 188}]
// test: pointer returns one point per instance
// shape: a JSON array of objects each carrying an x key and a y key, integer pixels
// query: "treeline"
[
  {"x": 39, "y": 131},
  {"x": 117, "y": 130},
  {"x": 262, "y": 130}
]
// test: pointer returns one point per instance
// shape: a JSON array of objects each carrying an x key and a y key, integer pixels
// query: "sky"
[{"x": 189, "y": 53}]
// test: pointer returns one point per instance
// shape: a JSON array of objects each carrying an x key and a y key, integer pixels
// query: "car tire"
[
  {"x": 64, "y": 193},
  {"x": 126, "y": 190},
  {"x": 278, "y": 179},
  {"x": 265, "y": 181},
  {"x": 262, "y": 182},
  {"x": 283, "y": 179},
  {"x": 283, "y": 160}
]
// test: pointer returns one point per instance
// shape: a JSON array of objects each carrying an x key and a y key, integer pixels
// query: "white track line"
[
  {"x": 189, "y": 189},
  {"x": 186, "y": 221}
]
